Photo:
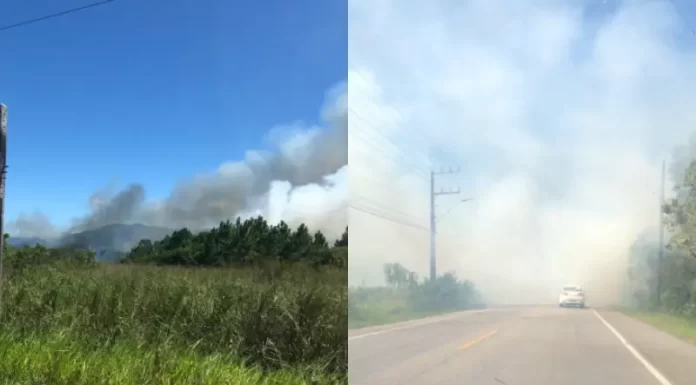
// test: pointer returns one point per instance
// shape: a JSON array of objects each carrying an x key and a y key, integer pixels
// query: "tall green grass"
[{"x": 287, "y": 321}]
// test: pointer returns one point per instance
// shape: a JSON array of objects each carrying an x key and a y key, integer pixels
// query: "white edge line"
[
  {"x": 411, "y": 325},
  {"x": 656, "y": 373}
]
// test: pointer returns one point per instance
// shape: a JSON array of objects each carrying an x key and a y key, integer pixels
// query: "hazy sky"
[
  {"x": 164, "y": 94},
  {"x": 559, "y": 114}
]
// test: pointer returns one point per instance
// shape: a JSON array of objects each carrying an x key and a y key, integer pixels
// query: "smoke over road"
[
  {"x": 303, "y": 163},
  {"x": 559, "y": 114}
]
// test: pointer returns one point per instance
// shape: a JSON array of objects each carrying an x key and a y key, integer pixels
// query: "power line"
[
  {"x": 419, "y": 227},
  {"x": 420, "y": 138},
  {"x": 54, "y": 15},
  {"x": 414, "y": 165},
  {"x": 390, "y": 155},
  {"x": 371, "y": 204},
  {"x": 412, "y": 150},
  {"x": 380, "y": 133},
  {"x": 384, "y": 153}
]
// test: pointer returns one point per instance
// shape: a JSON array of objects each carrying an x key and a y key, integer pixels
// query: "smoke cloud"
[
  {"x": 34, "y": 224},
  {"x": 559, "y": 114},
  {"x": 303, "y": 162}
]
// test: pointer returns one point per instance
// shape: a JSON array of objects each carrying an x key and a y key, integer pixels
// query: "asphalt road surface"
[{"x": 520, "y": 346}]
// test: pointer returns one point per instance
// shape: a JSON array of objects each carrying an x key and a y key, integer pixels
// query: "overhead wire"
[
  {"x": 385, "y": 152},
  {"x": 54, "y": 15},
  {"x": 413, "y": 164},
  {"x": 399, "y": 158},
  {"x": 403, "y": 223},
  {"x": 388, "y": 138},
  {"x": 378, "y": 207},
  {"x": 394, "y": 154},
  {"x": 394, "y": 161},
  {"x": 409, "y": 161},
  {"x": 417, "y": 138}
]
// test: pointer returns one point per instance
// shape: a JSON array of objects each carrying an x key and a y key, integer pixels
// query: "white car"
[{"x": 572, "y": 295}]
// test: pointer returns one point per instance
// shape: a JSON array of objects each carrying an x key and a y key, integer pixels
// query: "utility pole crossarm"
[
  {"x": 449, "y": 171},
  {"x": 450, "y": 192}
]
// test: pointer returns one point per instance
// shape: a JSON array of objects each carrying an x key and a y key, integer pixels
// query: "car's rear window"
[{"x": 571, "y": 288}]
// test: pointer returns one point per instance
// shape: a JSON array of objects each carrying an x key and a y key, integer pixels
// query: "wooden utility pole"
[{"x": 3, "y": 174}]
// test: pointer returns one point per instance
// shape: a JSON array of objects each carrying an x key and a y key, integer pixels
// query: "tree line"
[
  {"x": 413, "y": 295},
  {"x": 445, "y": 292},
  {"x": 247, "y": 242},
  {"x": 669, "y": 284},
  {"x": 16, "y": 259},
  {"x": 241, "y": 243}
]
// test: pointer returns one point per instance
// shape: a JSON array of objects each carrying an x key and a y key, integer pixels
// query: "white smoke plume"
[
  {"x": 300, "y": 178},
  {"x": 559, "y": 114}
]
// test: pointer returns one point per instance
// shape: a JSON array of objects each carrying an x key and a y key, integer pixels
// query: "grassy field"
[
  {"x": 677, "y": 326},
  {"x": 384, "y": 305},
  {"x": 121, "y": 324},
  {"x": 384, "y": 316},
  {"x": 386, "y": 310}
]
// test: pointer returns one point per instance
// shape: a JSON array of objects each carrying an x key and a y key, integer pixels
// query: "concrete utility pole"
[
  {"x": 433, "y": 220},
  {"x": 3, "y": 173},
  {"x": 660, "y": 255}
]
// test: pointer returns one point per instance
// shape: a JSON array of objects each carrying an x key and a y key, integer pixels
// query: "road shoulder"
[
  {"x": 679, "y": 327},
  {"x": 672, "y": 356}
]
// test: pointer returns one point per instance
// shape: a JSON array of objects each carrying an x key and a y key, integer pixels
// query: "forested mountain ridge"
[
  {"x": 109, "y": 242},
  {"x": 231, "y": 243}
]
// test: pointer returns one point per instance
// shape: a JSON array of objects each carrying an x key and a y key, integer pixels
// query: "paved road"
[{"x": 520, "y": 346}]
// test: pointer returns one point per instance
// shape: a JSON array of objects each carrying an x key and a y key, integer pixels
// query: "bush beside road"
[{"x": 406, "y": 298}]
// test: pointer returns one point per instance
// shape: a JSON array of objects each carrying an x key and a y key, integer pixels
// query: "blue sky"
[{"x": 154, "y": 91}]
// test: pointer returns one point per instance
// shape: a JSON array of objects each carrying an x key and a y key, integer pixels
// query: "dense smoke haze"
[
  {"x": 559, "y": 114},
  {"x": 300, "y": 178}
]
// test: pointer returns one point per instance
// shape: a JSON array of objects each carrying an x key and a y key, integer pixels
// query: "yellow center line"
[{"x": 477, "y": 340}]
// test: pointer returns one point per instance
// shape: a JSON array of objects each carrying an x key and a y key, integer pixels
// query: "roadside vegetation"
[
  {"x": 244, "y": 303},
  {"x": 670, "y": 301},
  {"x": 679, "y": 326},
  {"x": 406, "y": 297}
]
